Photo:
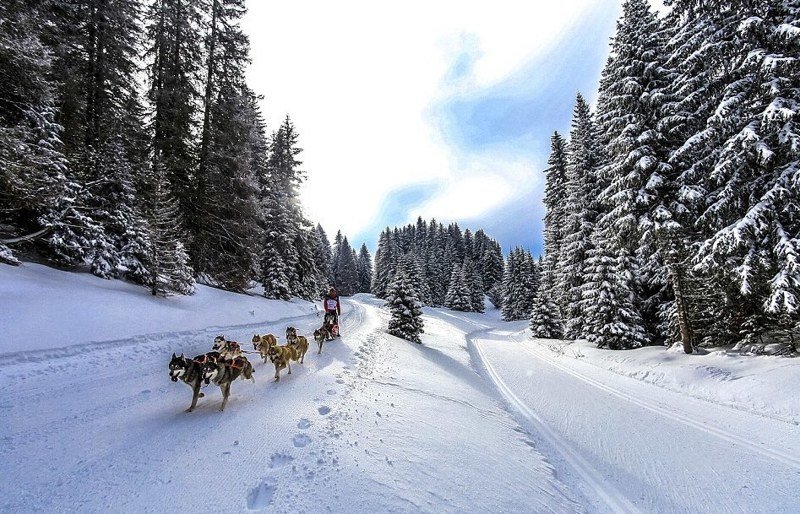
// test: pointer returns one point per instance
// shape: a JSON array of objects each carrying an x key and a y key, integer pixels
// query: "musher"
[{"x": 332, "y": 305}]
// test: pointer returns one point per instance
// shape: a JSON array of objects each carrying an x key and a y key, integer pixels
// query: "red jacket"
[{"x": 330, "y": 303}]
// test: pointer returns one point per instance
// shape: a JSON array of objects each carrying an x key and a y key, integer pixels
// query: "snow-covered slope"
[
  {"x": 477, "y": 419},
  {"x": 43, "y": 308}
]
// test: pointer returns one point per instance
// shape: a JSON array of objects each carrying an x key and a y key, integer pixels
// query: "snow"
[
  {"x": 44, "y": 308},
  {"x": 479, "y": 418}
]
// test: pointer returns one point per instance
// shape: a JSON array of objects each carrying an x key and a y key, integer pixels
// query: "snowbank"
[
  {"x": 762, "y": 385},
  {"x": 43, "y": 308}
]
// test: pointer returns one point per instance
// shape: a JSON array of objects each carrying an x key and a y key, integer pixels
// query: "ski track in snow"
[
  {"x": 606, "y": 492},
  {"x": 702, "y": 425}
]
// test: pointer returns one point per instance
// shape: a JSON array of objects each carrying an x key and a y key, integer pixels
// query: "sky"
[{"x": 436, "y": 109}]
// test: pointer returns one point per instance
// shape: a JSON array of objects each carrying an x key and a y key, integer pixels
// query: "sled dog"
[
  {"x": 224, "y": 372},
  {"x": 299, "y": 342},
  {"x": 190, "y": 372},
  {"x": 228, "y": 349},
  {"x": 321, "y": 335},
  {"x": 281, "y": 357},
  {"x": 262, "y": 344}
]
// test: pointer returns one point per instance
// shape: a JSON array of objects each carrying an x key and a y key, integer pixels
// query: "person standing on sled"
[{"x": 333, "y": 306}]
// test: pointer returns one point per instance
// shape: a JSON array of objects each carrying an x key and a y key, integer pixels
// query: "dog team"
[{"x": 226, "y": 361}]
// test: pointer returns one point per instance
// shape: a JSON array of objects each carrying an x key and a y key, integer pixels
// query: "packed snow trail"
[
  {"x": 374, "y": 423},
  {"x": 663, "y": 451}
]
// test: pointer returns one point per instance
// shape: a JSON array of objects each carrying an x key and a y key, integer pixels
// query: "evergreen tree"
[
  {"x": 581, "y": 208},
  {"x": 345, "y": 269},
  {"x": 406, "y": 321},
  {"x": 458, "y": 295},
  {"x": 555, "y": 195},
  {"x": 384, "y": 264},
  {"x": 226, "y": 213},
  {"x": 611, "y": 317},
  {"x": 324, "y": 255},
  {"x": 169, "y": 270},
  {"x": 520, "y": 285},
  {"x": 545, "y": 319},
  {"x": 174, "y": 30},
  {"x": 474, "y": 284},
  {"x": 364, "y": 266}
]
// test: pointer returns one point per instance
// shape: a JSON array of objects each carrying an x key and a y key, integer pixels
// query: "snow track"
[
  {"x": 779, "y": 455},
  {"x": 612, "y": 498}
]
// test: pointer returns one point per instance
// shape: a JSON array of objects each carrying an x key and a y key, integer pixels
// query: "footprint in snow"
[
  {"x": 301, "y": 440},
  {"x": 331, "y": 392},
  {"x": 323, "y": 410},
  {"x": 261, "y": 496},
  {"x": 279, "y": 460},
  {"x": 304, "y": 424}
]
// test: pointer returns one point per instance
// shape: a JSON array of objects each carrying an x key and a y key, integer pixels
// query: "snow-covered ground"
[{"x": 480, "y": 418}]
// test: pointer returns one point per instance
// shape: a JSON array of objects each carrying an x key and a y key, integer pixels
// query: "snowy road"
[{"x": 478, "y": 419}]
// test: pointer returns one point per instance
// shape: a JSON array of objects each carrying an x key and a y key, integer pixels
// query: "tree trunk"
[
  {"x": 210, "y": 72},
  {"x": 676, "y": 280}
]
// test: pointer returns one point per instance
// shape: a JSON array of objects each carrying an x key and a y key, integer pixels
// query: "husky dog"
[
  {"x": 330, "y": 324},
  {"x": 262, "y": 344},
  {"x": 281, "y": 356},
  {"x": 228, "y": 349},
  {"x": 190, "y": 372},
  {"x": 320, "y": 336},
  {"x": 299, "y": 342},
  {"x": 223, "y": 372}
]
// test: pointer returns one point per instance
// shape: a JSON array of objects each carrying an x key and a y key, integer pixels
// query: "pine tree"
[
  {"x": 175, "y": 60},
  {"x": 169, "y": 270},
  {"x": 639, "y": 201},
  {"x": 285, "y": 225},
  {"x": 384, "y": 264},
  {"x": 545, "y": 319},
  {"x": 474, "y": 284},
  {"x": 611, "y": 317},
  {"x": 581, "y": 208},
  {"x": 520, "y": 285},
  {"x": 364, "y": 266},
  {"x": 406, "y": 321},
  {"x": 458, "y": 295},
  {"x": 324, "y": 255},
  {"x": 225, "y": 232},
  {"x": 555, "y": 195}
]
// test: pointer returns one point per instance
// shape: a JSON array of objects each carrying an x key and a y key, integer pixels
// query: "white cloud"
[{"x": 357, "y": 78}]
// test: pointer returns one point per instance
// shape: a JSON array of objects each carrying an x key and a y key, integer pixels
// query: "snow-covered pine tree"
[
  {"x": 384, "y": 264},
  {"x": 611, "y": 316},
  {"x": 584, "y": 156},
  {"x": 458, "y": 296},
  {"x": 324, "y": 255},
  {"x": 225, "y": 233},
  {"x": 492, "y": 264},
  {"x": 364, "y": 265},
  {"x": 555, "y": 196},
  {"x": 32, "y": 166},
  {"x": 285, "y": 225},
  {"x": 520, "y": 285},
  {"x": 406, "y": 321},
  {"x": 437, "y": 275},
  {"x": 345, "y": 269},
  {"x": 474, "y": 283},
  {"x": 174, "y": 32},
  {"x": 545, "y": 320},
  {"x": 640, "y": 198},
  {"x": 169, "y": 270},
  {"x": 122, "y": 250}
]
